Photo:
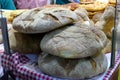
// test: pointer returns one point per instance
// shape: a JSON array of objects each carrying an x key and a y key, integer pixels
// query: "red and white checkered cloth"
[
  {"x": 25, "y": 68},
  {"x": 110, "y": 71}
]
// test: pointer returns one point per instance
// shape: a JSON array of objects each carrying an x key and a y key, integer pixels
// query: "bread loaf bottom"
[{"x": 72, "y": 68}]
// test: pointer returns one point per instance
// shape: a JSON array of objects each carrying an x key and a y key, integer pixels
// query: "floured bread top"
[
  {"x": 41, "y": 20},
  {"x": 74, "y": 41}
]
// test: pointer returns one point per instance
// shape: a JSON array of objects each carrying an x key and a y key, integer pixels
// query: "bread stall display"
[{"x": 71, "y": 40}]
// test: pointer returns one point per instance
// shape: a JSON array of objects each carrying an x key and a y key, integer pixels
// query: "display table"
[{"x": 25, "y": 67}]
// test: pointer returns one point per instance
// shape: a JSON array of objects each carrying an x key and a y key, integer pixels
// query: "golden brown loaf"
[{"x": 96, "y": 6}]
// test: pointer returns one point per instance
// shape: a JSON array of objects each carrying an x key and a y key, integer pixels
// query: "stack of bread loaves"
[
  {"x": 71, "y": 46},
  {"x": 31, "y": 25},
  {"x": 73, "y": 52}
]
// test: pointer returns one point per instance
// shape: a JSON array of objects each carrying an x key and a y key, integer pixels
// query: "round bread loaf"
[
  {"x": 72, "y": 68},
  {"x": 43, "y": 20},
  {"x": 74, "y": 41},
  {"x": 24, "y": 43}
]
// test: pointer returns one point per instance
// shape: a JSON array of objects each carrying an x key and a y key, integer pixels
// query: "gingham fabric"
[
  {"x": 111, "y": 70},
  {"x": 26, "y": 69}
]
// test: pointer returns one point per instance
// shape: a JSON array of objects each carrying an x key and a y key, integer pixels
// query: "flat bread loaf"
[
  {"x": 41, "y": 20},
  {"x": 74, "y": 41},
  {"x": 72, "y": 68},
  {"x": 112, "y": 1},
  {"x": 96, "y": 6}
]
